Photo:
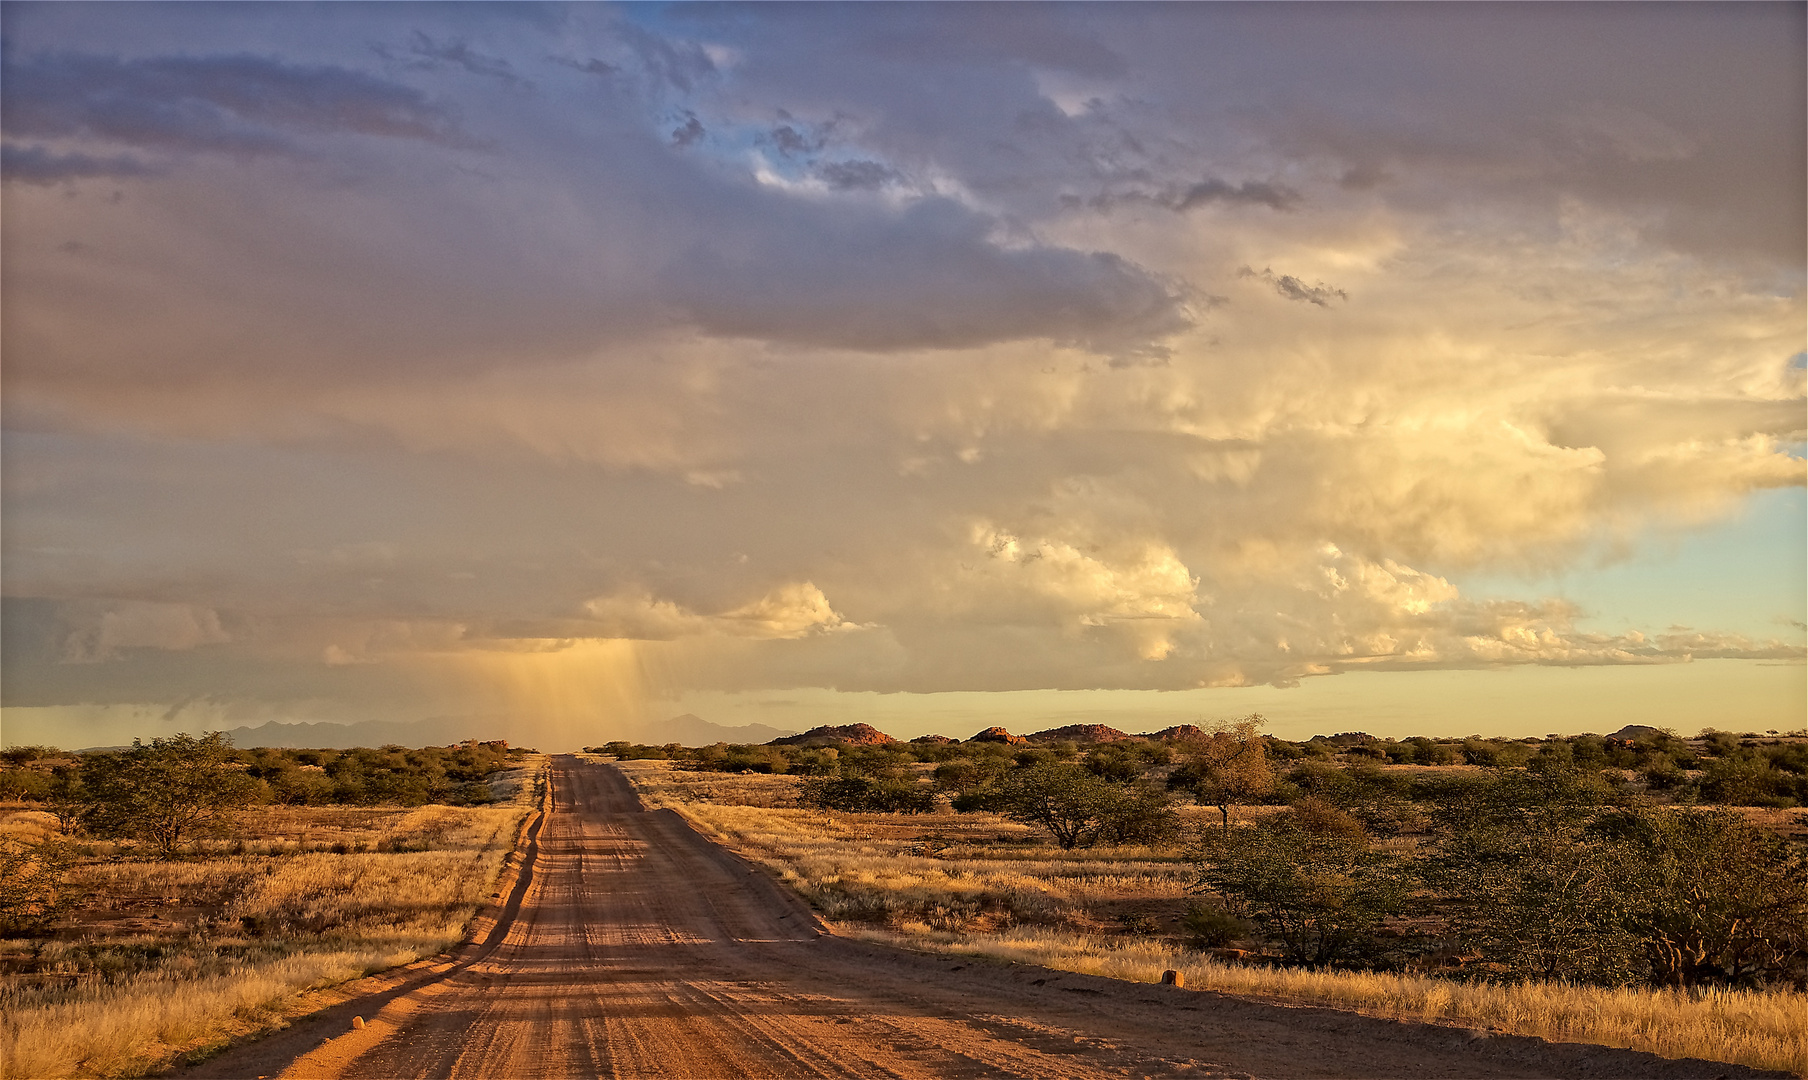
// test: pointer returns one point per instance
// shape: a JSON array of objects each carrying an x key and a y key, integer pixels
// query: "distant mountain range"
[
  {"x": 696, "y": 731},
  {"x": 436, "y": 732},
  {"x": 442, "y": 731}
]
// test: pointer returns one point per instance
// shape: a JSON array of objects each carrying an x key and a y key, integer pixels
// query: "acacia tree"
[
  {"x": 1061, "y": 797},
  {"x": 1532, "y": 886},
  {"x": 1713, "y": 898},
  {"x": 1228, "y": 766},
  {"x": 164, "y": 793},
  {"x": 31, "y": 883},
  {"x": 1319, "y": 892}
]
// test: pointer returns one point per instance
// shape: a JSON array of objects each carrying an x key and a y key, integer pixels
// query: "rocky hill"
[
  {"x": 998, "y": 734},
  {"x": 837, "y": 735},
  {"x": 1079, "y": 733},
  {"x": 1180, "y": 733}
]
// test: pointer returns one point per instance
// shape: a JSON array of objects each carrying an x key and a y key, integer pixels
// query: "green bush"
[
  {"x": 867, "y": 795},
  {"x": 1209, "y": 926},
  {"x": 31, "y": 883}
]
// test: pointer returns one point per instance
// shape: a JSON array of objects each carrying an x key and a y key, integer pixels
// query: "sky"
[{"x": 557, "y": 370}]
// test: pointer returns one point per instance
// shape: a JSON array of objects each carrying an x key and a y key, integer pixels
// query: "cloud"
[
  {"x": 788, "y": 612},
  {"x": 926, "y": 277},
  {"x": 141, "y": 625},
  {"x": 1182, "y": 198},
  {"x": 776, "y": 347},
  {"x": 688, "y": 132},
  {"x": 425, "y": 52},
  {"x": 237, "y": 104},
  {"x": 1292, "y": 288},
  {"x": 37, "y": 165},
  {"x": 858, "y": 175}
]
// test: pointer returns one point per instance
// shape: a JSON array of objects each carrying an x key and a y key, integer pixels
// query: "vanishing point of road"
[{"x": 632, "y": 947}]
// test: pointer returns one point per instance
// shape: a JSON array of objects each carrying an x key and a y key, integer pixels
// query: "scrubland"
[
  {"x": 943, "y": 871},
  {"x": 152, "y": 962},
  {"x": 977, "y": 883}
]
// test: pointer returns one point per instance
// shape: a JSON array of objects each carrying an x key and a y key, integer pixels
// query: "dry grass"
[
  {"x": 130, "y": 1027},
  {"x": 161, "y": 959},
  {"x": 1764, "y": 1030},
  {"x": 946, "y": 871},
  {"x": 975, "y": 884}
]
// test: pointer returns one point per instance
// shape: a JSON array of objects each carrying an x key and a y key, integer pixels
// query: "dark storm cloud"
[
  {"x": 237, "y": 104},
  {"x": 1292, "y": 288},
  {"x": 1658, "y": 112},
  {"x": 1211, "y": 190},
  {"x": 924, "y": 278},
  {"x": 424, "y": 51},
  {"x": 36, "y": 165},
  {"x": 1250, "y": 192},
  {"x": 857, "y": 175}
]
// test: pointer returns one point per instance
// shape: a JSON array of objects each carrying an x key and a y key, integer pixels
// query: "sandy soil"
[{"x": 629, "y": 946}]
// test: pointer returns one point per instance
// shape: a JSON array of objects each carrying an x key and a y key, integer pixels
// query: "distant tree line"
[
  {"x": 1717, "y": 768},
  {"x": 168, "y": 792}
]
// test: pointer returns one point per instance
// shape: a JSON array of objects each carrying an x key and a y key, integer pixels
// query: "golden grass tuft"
[
  {"x": 130, "y": 1027},
  {"x": 1765, "y": 1030}
]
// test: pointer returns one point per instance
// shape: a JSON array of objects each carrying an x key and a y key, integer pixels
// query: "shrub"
[
  {"x": 1209, "y": 926},
  {"x": 1712, "y": 898},
  {"x": 1061, "y": 797},
  {"x": 31, "y": 883},
  {"x": 164, "y": 793},
  {"x": 1320, "y": 895},
  {"x": 864, "y": 794},
  {"x": 1135, "y": 814}
]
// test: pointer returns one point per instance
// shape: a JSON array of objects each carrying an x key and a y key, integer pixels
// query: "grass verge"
[
  {"x": 1766, "y": 1030},
  {"x": 161, "y": 961}
]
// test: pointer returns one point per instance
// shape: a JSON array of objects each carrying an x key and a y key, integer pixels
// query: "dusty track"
[{"x": 634, "y": 948}]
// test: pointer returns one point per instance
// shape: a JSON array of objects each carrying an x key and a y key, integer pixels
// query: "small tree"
[
  {"x": 1712, "y": 897},
  {"x": 1136, "y": 814},
  {"x": 1229, "y": 766},
  {"x": 64, "y": 798},
  {"x": 1320, "y": 894},
  {"x": 31, "y": 883},
  {"x": 1061, "y": 797},
  {"x": 165, "y": 793},
  {"x": 1534, "y": 888}
]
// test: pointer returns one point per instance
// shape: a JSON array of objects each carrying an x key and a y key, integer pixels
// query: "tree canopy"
[{"x": 164, "y": 793}]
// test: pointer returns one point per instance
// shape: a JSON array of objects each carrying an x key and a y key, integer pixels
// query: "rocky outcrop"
[
  {"x": 932, "y": 740},
  {"x": 837, "y": 735},
  {"x": 1078, "y": 733},
  {"x": 1179, "y": 733},
  {"x": 1346, "y": 738},
  {"x": 998, "y": 734}
]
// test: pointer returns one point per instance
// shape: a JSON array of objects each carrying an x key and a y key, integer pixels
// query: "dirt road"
[{"x": 634, "y": 948}]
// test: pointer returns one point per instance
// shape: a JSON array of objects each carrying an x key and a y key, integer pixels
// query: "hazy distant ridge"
[
  {"x": 696, "y": 731},
  {"x": 440, "y": 732}
]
